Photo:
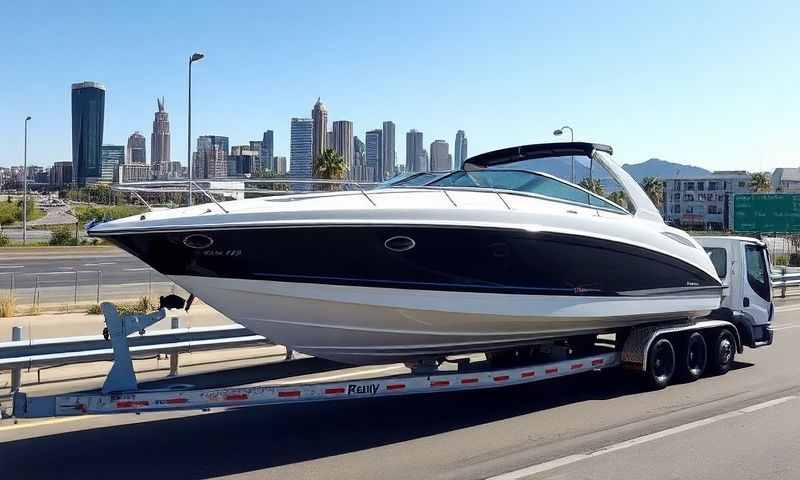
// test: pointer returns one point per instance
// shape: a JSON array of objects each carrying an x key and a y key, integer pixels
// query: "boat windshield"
[
  {"x": 525, "y": 181},
  {"x": 412, "y": 179}
]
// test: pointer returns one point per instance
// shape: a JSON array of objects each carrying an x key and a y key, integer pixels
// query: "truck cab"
[{"x": 743, "y": 266}]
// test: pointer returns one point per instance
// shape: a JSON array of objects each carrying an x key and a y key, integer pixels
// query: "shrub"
[
  {"x": 63, "y": 235},
  {"x": 8, "y": 305},
  {"x": 781, "y": 260},
  {"x": 94, "y": 310},
  {"x": 4, "y": 241},
  {"x": 794, "y": 260}
]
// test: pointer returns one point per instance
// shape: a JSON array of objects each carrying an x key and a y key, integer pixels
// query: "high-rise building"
[
  {"x": 460, "y": 150},
  {"x": 319, "y": 116},
  {"x": 61, "y": 174},
  {"x": 343, "y": 141},
  {"x": 415, "y": 153},
  {"x": 133, "y": 172},
  {"x": 374, "y": 153},
  {"x": 389, "y": 155},
  {"x": 258, "y": 165},
  {"x": 112, "y": 156},
  {"x": 211, "y": 159},
  {"x": 280, "y": 165},
  {"x": 268, "y": 151},
  {"x": 360, "y": 171},
  {"x": 88, "y": 109},
  {"x": 136, "y": 151},
  {"x": 301, "y": 160},
  {"x": 440, "y": 156},
  {"x": 243, "y": 160},
  {"x": 160, "y": 141},
  {"x": 329, "y": 141}
]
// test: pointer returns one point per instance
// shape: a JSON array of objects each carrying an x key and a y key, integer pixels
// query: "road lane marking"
[
  {"x": 42, "y": 423},
  {"x": 12, "y": 266},
  {"x": 560, "y": 462},
  {"x": 98, "y": 264},
  {"x": 137, "y": 269}
]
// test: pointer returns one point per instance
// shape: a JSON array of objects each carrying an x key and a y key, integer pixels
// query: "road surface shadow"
[{"x": 250, "y": 439}]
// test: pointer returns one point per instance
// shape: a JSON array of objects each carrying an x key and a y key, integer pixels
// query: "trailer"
[{"x": 683, "y": 349}]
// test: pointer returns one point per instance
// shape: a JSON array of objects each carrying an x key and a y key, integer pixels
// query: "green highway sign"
[{"x": 766, "y": 212}]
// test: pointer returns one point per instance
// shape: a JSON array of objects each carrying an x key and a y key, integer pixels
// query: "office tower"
[
  {"x": 112, "y": 156},
  {"x": 440, "y": 156},
  {"x": 268, "y": 151},
  {"x": 329, "y": 141},
  {"x": 211, "y": 159},
  {"x": 243, "y": 160},
  {"x": 319, "y": 117},
  {"x": 460, "y": 150},
  {"x": 61, "y": 174},
  {"x": 414, "y": 151},
  {"x": 343, "y": 141},
  {"x": 280, "y": 165},
  {"x": 258, "y": 165},
  {"x": 88, "y": 108},
  {"x": 159, "y": 141},
  {"x": 301, "y": 160},
  {"x": 389, "y": 154},
  {"x": 374, "y": 153},
  {"x": 136, "y": 150}
]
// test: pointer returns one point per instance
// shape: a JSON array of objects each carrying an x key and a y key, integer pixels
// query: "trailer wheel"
[
  {"x": 723, "y": 350},
  {"x": 660, "y": 364},
  {"x": 694, "y": 357}
]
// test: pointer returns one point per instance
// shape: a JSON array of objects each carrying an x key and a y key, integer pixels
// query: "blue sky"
[{"x": 708, "y": 83}]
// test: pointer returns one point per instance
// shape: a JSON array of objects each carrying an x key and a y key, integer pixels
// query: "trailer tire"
[
  {"x": 660, "y": 363},
  {"x": 693, "y": 357},
  {"x": 723, "y": 351}
]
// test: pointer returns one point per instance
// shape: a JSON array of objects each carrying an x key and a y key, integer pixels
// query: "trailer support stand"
[{"x": 122, "y": 377}]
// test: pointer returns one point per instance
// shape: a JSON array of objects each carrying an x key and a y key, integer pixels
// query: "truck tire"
[
  {"x": 693, "y": 357},
  {"x": 660, "y": 363},
  {"x": 723, "y": 350}
]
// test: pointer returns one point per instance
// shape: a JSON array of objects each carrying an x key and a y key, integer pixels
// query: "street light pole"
[
  {"x": 560, "y": 131},
  {"x": 195, "y": 57},
  {"x": 25, "y": 185}
]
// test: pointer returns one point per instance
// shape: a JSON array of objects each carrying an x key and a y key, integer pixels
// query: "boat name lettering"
[
  {"x": 222, "y": 253},
  {"x": 370, "y": 389}
]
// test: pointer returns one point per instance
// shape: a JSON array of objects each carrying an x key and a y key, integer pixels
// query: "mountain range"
[{"x": 663, "y": 169}]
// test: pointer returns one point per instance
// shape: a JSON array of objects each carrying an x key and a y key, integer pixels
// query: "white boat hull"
[{"x": 367, "y": 325}]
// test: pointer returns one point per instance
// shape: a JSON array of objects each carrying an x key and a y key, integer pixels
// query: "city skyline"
[{"x": 683, "y": 98}]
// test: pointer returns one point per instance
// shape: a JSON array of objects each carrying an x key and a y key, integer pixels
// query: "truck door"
[{"x": 757, "y": 286}]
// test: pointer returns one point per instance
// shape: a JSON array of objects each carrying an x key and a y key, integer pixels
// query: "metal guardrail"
[
  {"x": 56, "y": 351},
  {"x": 783, "y": 279}
]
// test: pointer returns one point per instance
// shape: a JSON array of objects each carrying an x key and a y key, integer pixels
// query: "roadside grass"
[
  {"x": 143, "y": 305},
  {"x": 8, "y": 305}
]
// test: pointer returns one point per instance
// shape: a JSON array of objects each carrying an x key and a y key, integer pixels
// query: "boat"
[{"x": 492, "y": 257}]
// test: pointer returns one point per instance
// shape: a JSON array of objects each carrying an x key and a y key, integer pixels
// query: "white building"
[
  {"x": 703, "y": 202},
  {"x": 786, "y": 180}
]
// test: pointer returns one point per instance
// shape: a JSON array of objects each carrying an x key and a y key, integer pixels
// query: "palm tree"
[
  {"x": 654, "y": 188},
  {"x": 593, "y": 185},
  {"x": 330, "y": 165},
  {"x": 619, "y": 198},
  {"x": 759, "y": 182}
]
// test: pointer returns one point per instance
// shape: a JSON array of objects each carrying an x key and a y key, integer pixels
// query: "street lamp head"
[
  {"x": 27, "y": 118},
  {"x": 558, "y": 132},
  {"x": 196, "y": 56}
]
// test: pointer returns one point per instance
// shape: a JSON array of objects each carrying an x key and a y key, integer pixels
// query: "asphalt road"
[
  {"x": 598, "y": 425},
  {"x": 56, "y": 267}
]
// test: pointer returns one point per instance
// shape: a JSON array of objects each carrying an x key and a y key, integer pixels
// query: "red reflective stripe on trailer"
[
  {"x": 469, "y": 380},
  {"x": 575, "y": 366},
  {"x": 334, "y": 391},
  {"x": 527, "y": 374},
  {"x": 599, "y": 361},
  {"x": 289, "y": 393},
  {"x": 176, "y": 400},
  {"x": 132, "y": 403},
  {"x": 237, "y": 396},
  {"x": 501, "y": 378},
  {"x": 395, "y": 386},
  {"x": 440, "y": 383},
  {"x": 548, "y": 371}
]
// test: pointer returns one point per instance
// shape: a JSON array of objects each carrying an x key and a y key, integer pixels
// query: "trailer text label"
[{"x": 370, "y": 389}]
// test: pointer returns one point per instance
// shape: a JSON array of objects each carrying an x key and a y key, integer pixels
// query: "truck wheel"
[
  {"x": 723, "y": 349},
  {"x": 660, "y": 364},
  {"x": 693, "y": 357}
]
